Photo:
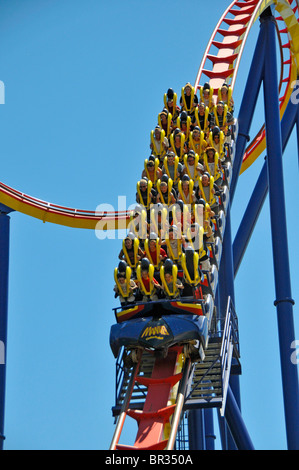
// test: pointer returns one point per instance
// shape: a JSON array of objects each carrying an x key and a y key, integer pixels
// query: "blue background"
[{"x": 84, "y": 83}]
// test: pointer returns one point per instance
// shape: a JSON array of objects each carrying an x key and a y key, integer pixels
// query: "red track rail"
[
  {"x": 233, "y": 27},
  {"x": 228, "y": 40}
]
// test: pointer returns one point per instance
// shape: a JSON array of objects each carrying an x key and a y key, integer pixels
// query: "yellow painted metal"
[
  {"x": 80, "y": 219},
  {"x": 70, "y": 218}
]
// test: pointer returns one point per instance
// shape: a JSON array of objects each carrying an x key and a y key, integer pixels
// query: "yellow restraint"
[
  {"x": 189, "y": 199},
  {"x": 149, "y": 188},
  {"x": 176, "y": 164},
  {"x": 155, "y": 150},
  {"x": 200, "y": 249},
  {"x": 178, "y": 220},
  {"x": 197, "y": 147},
  {"x": 169, "y": 189},
  {"x": 127, "y": 294},
  {"x": 224, "y": 116},
  {"x": 148, "y": 253},
  {"x": 151, "y": 276},
  {"x": 183, "y": 139},
  {"x": 217, "y": 173},
  {"x": 207, "y": 111},
  {"x": 220, "y": 150},
  {"x": 188, "y": 125},
  {"x": 174, "y": 274},
  {"x": 136, "y": 248},
  {"x": 155, "y": 171},
  {"x": 212, "y": 199},
  {"x": 211, "y": 92},
  {"x": 154, "y": 220},
  {"x": 196, "y": 280},
  {"x": 196, "y": 175},
  {"x": 170, "y": 250},
  {"x": 169, "y": 122},
  {"x": 141, "y": 230},
  {"x": 229, "y": 97},
  {"x": 175, "y": 97},
  {"x": 191, "y": 98}
]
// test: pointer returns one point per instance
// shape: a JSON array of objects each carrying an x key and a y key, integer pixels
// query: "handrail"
[
  {"x": 124, "y": 408},
  {"x": 179, "y": 405},
  {"x": 229, "y": 336}
]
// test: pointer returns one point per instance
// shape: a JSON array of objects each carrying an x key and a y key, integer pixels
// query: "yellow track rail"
[{"x": 76, "y": 218}]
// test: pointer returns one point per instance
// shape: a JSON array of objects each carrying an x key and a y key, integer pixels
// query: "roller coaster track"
[
  {"x": 155, "y": 412},
  {"x": 239, "y": 17},
  {"x": 228, "y": 40}
]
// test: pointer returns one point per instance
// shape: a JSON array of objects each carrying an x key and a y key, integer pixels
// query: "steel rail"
[
  {"x": 253, "y": 8},
  {"x": 79, "y": 218}
]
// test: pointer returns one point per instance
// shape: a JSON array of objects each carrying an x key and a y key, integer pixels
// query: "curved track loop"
[
  {"x": 60, "y": 215},
  {"x": 229, "y": 39}
]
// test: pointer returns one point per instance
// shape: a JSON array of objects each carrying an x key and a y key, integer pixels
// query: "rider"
[
  {"x": 159, "y": 143},
  {"x": 172, "y": 167},
  {"x": 146, "y": 194},
  {"x": 170, "y": 99},
  {"x": 152, "y": 170},
  {"x": 146, "y": 282},
  {"x": 224, "y": 95},
  {"x": 189, "y": 99},
  {"x": 223, "y": 118}
]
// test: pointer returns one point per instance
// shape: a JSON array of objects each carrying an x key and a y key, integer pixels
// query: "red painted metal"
[{"x": 157, "y": 410}]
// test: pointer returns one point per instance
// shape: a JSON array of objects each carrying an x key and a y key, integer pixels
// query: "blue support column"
[
  {"x": 250, "y": 218},
  {"x": 284, "y": 302},
  {"x": 260, "y": 191},
  {"x": 223, "y": 430},
  {"x": 196, "y": 430},
  {"x": 4, "y": 266},
  {"x": 209, "y": 428},
  {"x": 226, "y": 271},
  {"x": 236, "y": 424},
  {"x": 297, "y": 126},
  {"x": 201, "y": 429},
  {"x": 226, "y": 290}
]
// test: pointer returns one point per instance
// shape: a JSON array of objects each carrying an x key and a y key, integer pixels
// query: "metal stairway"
[
  {"x": 205, "y": 389},
  {"x": 208, "y": 387}
]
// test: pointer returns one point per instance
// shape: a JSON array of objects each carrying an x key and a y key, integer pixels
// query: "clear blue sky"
[{"x": 84, "y": 84}]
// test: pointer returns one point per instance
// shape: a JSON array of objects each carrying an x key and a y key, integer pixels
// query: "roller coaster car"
[
  {"x": 159, "y": 333},
  {"x": 159, "y": 325}
]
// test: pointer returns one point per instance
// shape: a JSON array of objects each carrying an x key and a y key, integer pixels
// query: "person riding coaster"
[
  {"x": 170, "y": 103},
  {"x": 183, "y": 123},
  {"x": 171, "y": 285},
  {"x": 125, "y": 288},
  {"x": 188, "y": 100},
  {"x": 206, "y": 93},
  {"x": 166, "y": 193},
  {"x": 162, "y": 329},
  {"x": 146, "y": 280}
]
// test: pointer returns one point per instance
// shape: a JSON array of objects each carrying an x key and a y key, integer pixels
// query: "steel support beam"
[
  {"x": 260, "y": 192},
  {"x": 284, "y": 302},
  {"x": 236, "y": 424},
  {"x": 4, "y": 267}
]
